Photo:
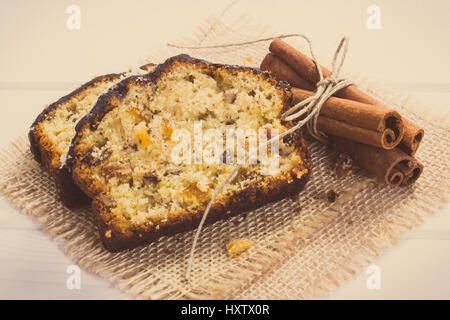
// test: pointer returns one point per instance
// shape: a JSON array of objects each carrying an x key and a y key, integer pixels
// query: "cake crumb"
[
  {"x": 344, "y": 165},
  {"x": 108, "y": 234},
  {"x": 238, "y": 246},
  {"x": 332, "y": 196}
]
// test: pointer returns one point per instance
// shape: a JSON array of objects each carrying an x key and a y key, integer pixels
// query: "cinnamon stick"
[
  {"x": 412, "y": 137},
  {"x": 306, "y": 69},
  {"x": 282, "y": 71},
  {"x": 357, "y": 121},
  {"x": 394, "y": 167}
]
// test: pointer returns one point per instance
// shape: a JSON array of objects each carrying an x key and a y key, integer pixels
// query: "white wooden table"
[{"x": 42, "y": 60}]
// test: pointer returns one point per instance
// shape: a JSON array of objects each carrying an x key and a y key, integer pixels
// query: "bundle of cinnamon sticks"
[{"x": 376, "y": 137}]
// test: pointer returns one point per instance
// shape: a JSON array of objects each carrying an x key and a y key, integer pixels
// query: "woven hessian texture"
[{"x": 304, "y": 247}]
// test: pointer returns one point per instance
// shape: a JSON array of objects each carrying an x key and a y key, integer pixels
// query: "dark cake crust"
[{"x": 255, "y": 195}]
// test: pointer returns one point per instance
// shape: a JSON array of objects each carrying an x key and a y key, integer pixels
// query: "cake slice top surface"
[{"x": 126, "y": 150}]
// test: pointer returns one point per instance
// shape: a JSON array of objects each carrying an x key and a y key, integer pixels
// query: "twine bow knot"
[{"x": 326, "y": 87}]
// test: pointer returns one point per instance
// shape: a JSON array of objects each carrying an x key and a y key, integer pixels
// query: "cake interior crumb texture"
[
  {"x": 57, "y": 129},
  {"x": 122, "y": 154}
]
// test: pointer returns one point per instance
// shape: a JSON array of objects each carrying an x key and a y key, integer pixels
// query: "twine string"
[
  {"x": 236, "y": 44},
  {"x": 305, "y": 113}
]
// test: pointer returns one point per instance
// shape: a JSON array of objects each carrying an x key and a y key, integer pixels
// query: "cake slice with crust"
[
  {"x": 52, "y": 131},
  {"x": 122, "y": 153}
]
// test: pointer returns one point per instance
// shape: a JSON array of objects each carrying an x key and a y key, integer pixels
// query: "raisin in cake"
[
  {"x": 120, "y": 155},
  {"x": 52, "y": 131}
]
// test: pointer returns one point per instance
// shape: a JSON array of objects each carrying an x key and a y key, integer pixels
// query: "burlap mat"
[{"x": 303, "y": 247}]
